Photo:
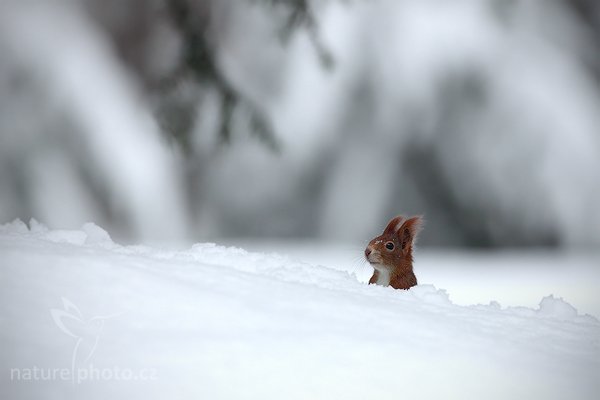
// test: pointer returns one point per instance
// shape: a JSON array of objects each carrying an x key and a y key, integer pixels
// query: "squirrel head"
[{"x": 393, "y": 248}]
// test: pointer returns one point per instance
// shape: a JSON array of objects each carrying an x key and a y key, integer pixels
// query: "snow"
[
  {"x": 94, "y": 319},
  {"x": 513, "y": 278}
]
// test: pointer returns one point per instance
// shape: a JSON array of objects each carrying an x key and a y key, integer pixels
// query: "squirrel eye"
[{"x": 389, "y": 246}]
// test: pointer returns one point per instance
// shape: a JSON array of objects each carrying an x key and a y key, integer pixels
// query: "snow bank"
[
  {"x": 84, "y": 317},
  {"x": 90, "y": 233}
]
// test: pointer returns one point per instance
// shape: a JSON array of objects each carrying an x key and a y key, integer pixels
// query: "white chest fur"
[{"x": 383, "y": 278}]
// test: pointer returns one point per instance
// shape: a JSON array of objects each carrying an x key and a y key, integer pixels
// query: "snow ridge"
[{"x": 221, "y": 322}]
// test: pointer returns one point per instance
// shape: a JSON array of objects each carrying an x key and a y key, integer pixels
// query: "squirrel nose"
[{"x": 367, "y": 252}]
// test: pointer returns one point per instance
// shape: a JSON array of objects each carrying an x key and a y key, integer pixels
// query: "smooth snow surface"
[{"x": 83, "y": 317}]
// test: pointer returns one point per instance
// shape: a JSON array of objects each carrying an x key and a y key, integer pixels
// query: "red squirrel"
[{"x": 390, "y": 254}]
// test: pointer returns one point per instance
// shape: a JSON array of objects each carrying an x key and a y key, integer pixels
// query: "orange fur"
[{"x": 395, "y": 261}]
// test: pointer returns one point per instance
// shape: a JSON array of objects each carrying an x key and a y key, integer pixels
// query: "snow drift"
[{"x": 84, "y": 317}]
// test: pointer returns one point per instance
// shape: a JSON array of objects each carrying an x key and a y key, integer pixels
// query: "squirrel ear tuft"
[
  {"x": 409, "y": 230},
  {"x": 394, "y": 225}
]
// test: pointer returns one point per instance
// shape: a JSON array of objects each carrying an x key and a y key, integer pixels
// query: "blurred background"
[{"x": 194, "y": 120}]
